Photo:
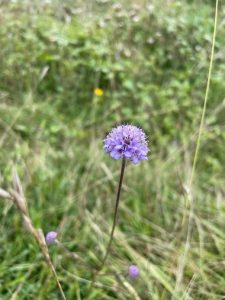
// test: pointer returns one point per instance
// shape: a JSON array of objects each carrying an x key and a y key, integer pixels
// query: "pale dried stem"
[{"x": 17, "y": 197}]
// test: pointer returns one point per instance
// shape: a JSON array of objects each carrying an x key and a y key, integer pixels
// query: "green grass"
[{"x": 152, "y": 62}]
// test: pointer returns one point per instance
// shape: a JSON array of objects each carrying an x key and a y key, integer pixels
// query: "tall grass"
[{"x": 151, "y": 60}]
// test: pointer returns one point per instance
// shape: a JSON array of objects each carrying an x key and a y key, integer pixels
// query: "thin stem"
[
  {"x": 206, "y": 96},
  {"x": 57, "y": 280},
  {"x": 114, "y": 223},
  {"x": 190, "y": 199},
  {"x": 115, "y": 214}
]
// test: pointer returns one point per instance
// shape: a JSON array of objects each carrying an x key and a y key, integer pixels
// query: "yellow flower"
[{"x": 98, "y": 92}]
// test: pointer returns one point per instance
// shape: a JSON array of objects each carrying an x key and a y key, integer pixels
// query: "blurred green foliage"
[{"x": 151, "y": 59}]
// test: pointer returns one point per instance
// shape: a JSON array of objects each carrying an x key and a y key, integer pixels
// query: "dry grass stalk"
[{"x": 17, "y": 196}]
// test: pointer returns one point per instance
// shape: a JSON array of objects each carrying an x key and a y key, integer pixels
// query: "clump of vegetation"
[{"x": 69, "y": 72}]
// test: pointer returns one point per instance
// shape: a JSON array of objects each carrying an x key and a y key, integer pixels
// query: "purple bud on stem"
[
  {"x": 133, "y": 271},
  {"x": 51, "y": 237}
]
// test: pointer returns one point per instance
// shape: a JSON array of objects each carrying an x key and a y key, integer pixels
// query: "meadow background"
[{"x": 151, "y": 59}]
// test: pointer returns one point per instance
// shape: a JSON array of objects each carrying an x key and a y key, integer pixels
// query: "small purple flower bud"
[
  {"x": 133, "y": 271},
  {"x": 127, "y": 141},
  {"x": 51, "y": 237}
]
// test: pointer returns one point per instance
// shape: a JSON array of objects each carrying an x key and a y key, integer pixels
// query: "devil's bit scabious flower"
[
  {"x": 133, "y": 271},
  {"x": 127, "y": 141},
  {"x": 51, "y": 237}
]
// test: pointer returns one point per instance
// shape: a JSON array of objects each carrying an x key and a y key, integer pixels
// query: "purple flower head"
[
  {"x": 127, "y": 141},
  {"x": 51, "y": 237},
  {"x": 133, "y": 271}
]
